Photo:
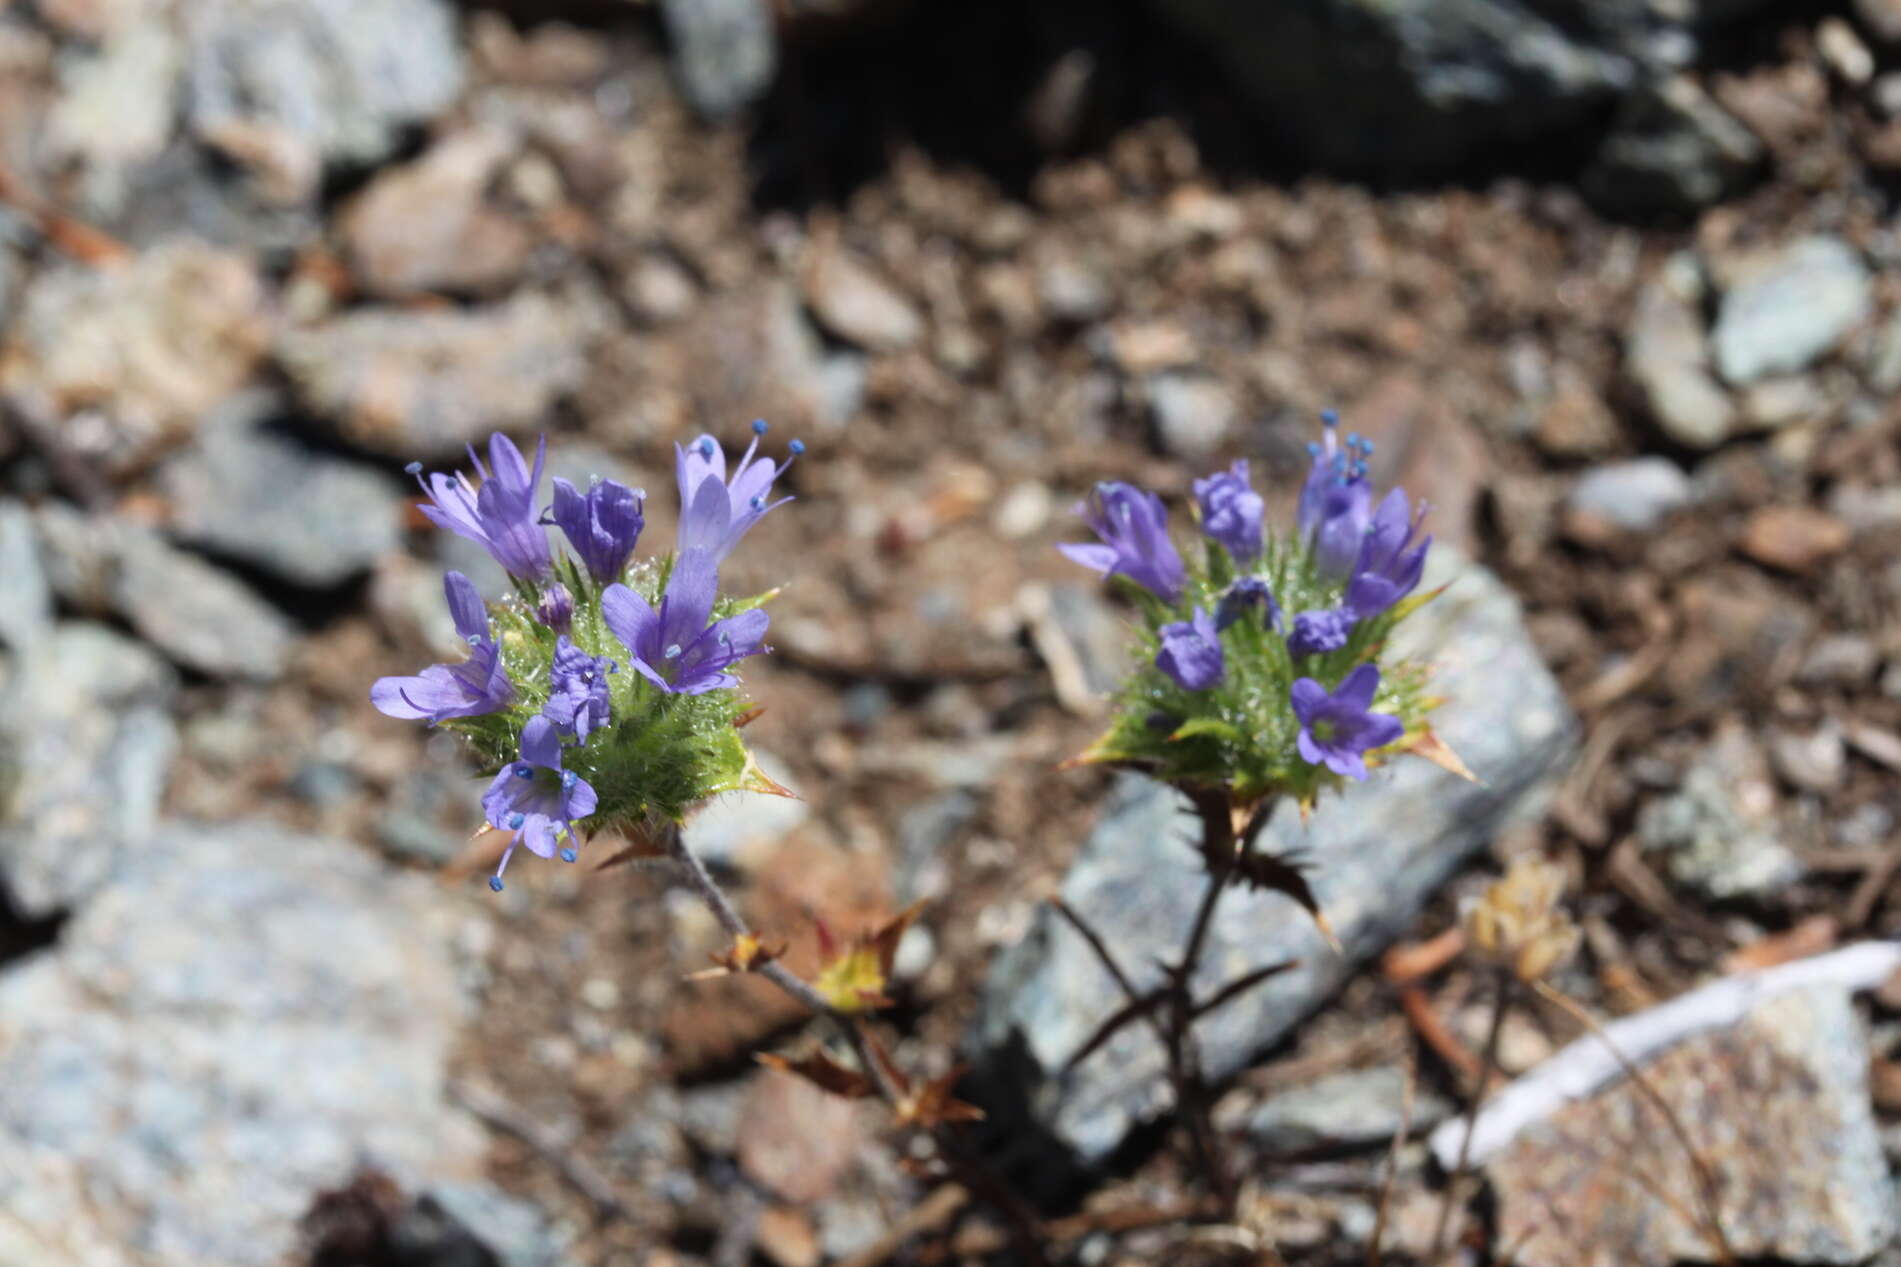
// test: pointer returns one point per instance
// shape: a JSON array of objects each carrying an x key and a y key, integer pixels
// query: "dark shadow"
[
  {"x": 21, "y": 934},
  {"x": 1006, "y": 88}
]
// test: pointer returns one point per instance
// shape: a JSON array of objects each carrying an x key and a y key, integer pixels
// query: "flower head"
[
  {"x": 499, "y": 515},
  {"x": 1318, "y": 632},
  {"x": 477, "y": 686},
  {"x": 1336, "y": 730},
  {"x": 1133, "y": 526},
  {"x": 1231, "y": 511},
  {"x": 1520, "y": 922},
  {"x": 715, "y": 512},
  {"x": 534, "y": 796},
  {"x": 1389, "y": 563},
  {"x": 1336, "y": 502},
  {"x": 1191, "y": 652},
  {"x": 675, "y": 648},
  {"x": 577, "y": 690},
  {"x": 1245, "y": 595},
  {"x": 601, "y": 524}
]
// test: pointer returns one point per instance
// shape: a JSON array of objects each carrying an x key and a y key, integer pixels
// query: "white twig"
[{"x": 1585, "y": 1066}]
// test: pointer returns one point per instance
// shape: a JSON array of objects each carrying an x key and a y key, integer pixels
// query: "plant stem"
[
  {"x": 970, "y": 1170},
  {"x": 1185, "y": 1073},
  {"x": 1488, "y": 1063}
]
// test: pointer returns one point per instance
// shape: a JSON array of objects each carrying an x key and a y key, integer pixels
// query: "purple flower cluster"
[
  {"x": 1371, "y": 555},
  {"x": 679, "y": 648}
]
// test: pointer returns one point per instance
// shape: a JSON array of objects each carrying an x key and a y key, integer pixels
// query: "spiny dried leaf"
[
  {"x": 1113, "y": 1024},
  {"x": 822, "y": 1072},
  {"x": 754, "y": 779},
  {"x": 932, "y": 1104},
  {"x": 1434, "y": 749},
  {"x": 854, "y": 981},
  {"x": 1285, "y": 875},
  {"x": 748, "y": 717},
  {"x": 1407, "y": 606},
  {"x": 747, "y": 954}
]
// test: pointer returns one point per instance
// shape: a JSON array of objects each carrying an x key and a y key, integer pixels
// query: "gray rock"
[
  {"x": 725, "y": 52},
  {"x": 1193, "y": 414},
  {"x": 198, "y": 614},
  {"x": 1789, "y": 308},
  {"x": 26, "y": 597},
  {"x": 1377, "y": 852},
  {"x": 87, "y": 712},
  {"x": 1634, "y": 495},
  {"x": 856, "y": 304},
  {"x": 1667, "y": 357},
  {"x": 238, "y": 1011},
  {"x": 1799, "y": 1169},
  {"x": 1844, "y": 659},
  {"x": 1881, "y": 355},
  {"x": 1359, "y": 1109},
  {"x": 515, "y": 1231},
  {"x": 131, "y": 358},
  {"x": 1882, "y": 18},
  {"x": 265, "y": 500},
  {"x": 340, "y": 82},
  {"x": 923, "y": 834},
  {"x": 1673, "y": 149},
  {"x": 1405, "y": 86},
  {"x": 1717, "y": 832},
  {"x": 116, "y": 109},
  {"x": 417, "y": 384},
  {"x": 1814, "y": 762},
  {"x": 732, "y": 830}
]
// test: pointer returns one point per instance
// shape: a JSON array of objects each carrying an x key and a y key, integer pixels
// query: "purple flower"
[
  {"x": 499, "y": 516},
  {"x": 1387, "y": 569},
  {"x": 533, "y": 796},
  {"x": 477, "y": 686},
  {"x": 577, "y": 690},
  {"x": 1231, "y": 511},
  {"x": 1336, "y": 729},
  {"x": 675, "y": 648},
  {"x": 1133, "y": 526},
  {"x": 1316, "y": 633},
  {"x": 1336, "y": 502},
  {"x": 1191, "y": 652},
  {"x": 601, "y": 524},
  {"x": 556, "y": 608},
  {"x": 715, "y": 512},
  {"x": 1243, "y": 596}
]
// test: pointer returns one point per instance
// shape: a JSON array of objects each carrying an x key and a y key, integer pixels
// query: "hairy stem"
[{"x": 1185, "y": 1072}]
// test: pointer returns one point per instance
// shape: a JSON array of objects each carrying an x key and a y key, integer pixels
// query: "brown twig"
[
  {"x": 1488, "y": 1061},
  {"x": 504, "y": 1115},
  {"x": 1707, "y": 1190},
  {"x": 1384, "y": 1208},
  {"x": 1184, "y": 1059}
]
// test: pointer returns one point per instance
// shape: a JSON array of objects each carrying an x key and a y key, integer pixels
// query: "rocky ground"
[{"x": 1619, "y": 293}]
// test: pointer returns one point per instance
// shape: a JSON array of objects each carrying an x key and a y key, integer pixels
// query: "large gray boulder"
[
  {"x": 1405, "y": 86},
  {"x": 237, "y": 1021},
  {"x": 1377, "y": 853}
]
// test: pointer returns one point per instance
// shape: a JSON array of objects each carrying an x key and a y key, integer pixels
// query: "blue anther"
[
  {"x": 568, "y": 855},
  {"x": 495, "y": 882},
  {"x": 524, "y": 771},
  {"x": 797, "y": 447},
  {"x": 1330, "y": 417},
  {"x": 567, "y": 779},
  {"x": 758, "y": 503},
  {"x": 516, "y": 819},
  {"x": 414, "y": 468},
  {"x": 707, "y": 446},
  {"x": 759, "y": 426},
  {"x": 673, "y": 651},
  {"x": 1313, "y": 448},
  {"x": 1366, "y": 447}
]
